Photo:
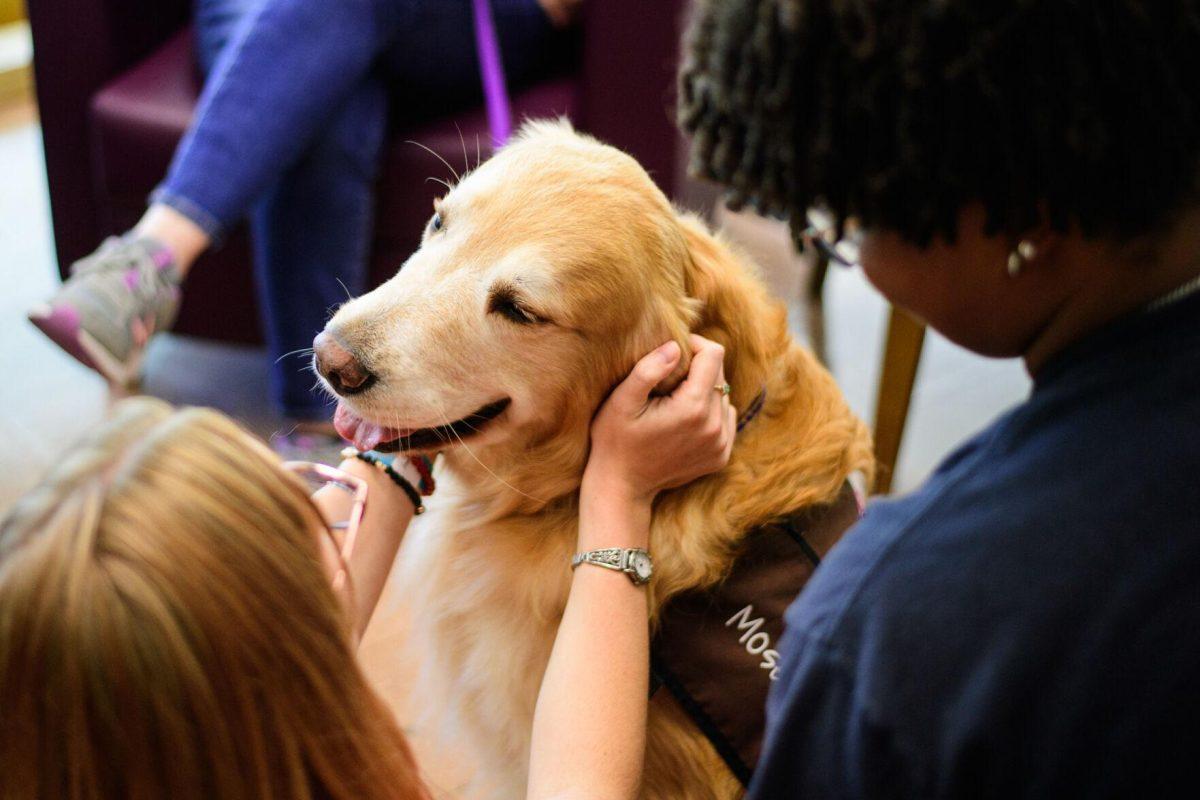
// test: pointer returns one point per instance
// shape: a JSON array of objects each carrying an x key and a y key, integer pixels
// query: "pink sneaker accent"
[{"x": 61, "y": 325}]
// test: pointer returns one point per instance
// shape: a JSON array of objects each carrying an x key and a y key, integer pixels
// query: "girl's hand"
[
  {"x": 642, "y": 444},
  {"x": 385, "y": 520}
]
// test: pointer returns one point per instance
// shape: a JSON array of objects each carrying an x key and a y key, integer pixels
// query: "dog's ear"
[
  {"x": 668, "y": 384},
  {"x": 730, "y": 304},
  {"x": 681, "y": 316}
]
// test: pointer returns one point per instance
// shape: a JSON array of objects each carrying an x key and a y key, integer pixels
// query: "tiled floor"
[{"x": 49, "y": 399}]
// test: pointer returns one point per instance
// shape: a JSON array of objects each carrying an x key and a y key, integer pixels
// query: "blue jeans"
[{"x": 289, "y": 131}]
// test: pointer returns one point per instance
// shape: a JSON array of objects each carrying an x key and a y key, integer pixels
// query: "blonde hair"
[{"x": 167, "y": 630}]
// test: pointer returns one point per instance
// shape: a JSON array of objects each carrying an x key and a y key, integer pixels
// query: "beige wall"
[{"x": 11, "y": 11}]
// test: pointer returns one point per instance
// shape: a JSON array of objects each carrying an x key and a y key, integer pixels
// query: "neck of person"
[{"x": 1113, "y": 281}]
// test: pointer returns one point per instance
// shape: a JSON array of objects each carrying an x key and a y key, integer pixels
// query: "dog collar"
[{"x": 752, "y": 410}]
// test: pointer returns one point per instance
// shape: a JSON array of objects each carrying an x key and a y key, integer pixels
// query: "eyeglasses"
[
  {"x": 821, "y": 233},
  {"x": 341, "y": 499}
]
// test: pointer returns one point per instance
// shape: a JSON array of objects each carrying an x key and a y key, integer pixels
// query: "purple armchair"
[{"x": 116, "y": 84}]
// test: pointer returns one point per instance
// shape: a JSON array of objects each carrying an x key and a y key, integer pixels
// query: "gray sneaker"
[{"x": 115, "y": 299}]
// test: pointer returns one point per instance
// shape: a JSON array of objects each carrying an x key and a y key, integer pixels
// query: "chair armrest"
[{"x": 79, "y": 45}]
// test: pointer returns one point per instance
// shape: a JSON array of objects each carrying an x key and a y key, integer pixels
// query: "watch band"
[
  {"x": 618, "y": 559},
  {"x": 609, "y": 558}
]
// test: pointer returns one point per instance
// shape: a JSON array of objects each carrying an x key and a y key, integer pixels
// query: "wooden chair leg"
[
  {"x": 816, "y": 280},
  {"x": 815, "y": 306},
  {"x": 902, "y": 355}
]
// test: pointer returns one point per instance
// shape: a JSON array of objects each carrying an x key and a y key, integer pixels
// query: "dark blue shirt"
[{"x": 1028, "y": 623}]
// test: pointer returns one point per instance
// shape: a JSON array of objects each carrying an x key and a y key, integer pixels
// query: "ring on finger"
[{"x": 723, "y": 388}]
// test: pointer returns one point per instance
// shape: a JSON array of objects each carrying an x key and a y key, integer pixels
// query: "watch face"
[{"x": 641, "y": 566}]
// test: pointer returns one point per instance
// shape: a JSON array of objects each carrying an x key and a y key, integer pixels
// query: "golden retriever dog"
[{"x": 543, "y": 276}]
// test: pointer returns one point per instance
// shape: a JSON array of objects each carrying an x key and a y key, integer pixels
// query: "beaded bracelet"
[{"x": 396, "y": 477}]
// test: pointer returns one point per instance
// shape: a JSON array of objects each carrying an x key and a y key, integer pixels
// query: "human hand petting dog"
[{"x": 642, "y": 445}]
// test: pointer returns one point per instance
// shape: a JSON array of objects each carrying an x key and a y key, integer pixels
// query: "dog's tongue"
[{"x": 365, "y": 435}]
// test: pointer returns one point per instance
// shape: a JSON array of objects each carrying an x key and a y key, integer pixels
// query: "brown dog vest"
[{"x": 715, "y": 649}]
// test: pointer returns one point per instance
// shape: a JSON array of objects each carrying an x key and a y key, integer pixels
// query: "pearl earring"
[
  {"x": 1025, "y": 251},
  {"x": 1014, "y": 264}
]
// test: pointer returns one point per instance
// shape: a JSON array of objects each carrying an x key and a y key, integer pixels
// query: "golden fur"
[{"x": 590, "y": 244}]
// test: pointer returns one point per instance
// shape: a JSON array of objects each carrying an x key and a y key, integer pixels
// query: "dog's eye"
[
  {"x": 435, "y": 224},
  {"x": 507, "y": 306}
]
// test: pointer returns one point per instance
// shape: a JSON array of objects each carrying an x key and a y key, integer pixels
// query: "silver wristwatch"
[{"x": 634, "y": 562}]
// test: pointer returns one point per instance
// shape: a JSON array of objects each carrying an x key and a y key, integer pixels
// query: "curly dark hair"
[{"x": 900, "y": 113}]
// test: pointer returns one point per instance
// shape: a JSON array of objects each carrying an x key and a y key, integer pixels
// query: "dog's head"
[{"x": 541, "y": 278}]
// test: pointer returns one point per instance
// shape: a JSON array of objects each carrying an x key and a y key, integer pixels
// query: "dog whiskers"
[
  {"x": 323, "y": 386},
  {"x": 282, "y": 433},
  {"x": 301, "y": 351},
  {"x": 457, "y": 177},
  {"x": 466, "y": 161},
  {"x": 471, "y": 453}
]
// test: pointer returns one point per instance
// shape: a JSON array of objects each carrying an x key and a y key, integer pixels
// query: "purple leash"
[{"x": 495, "y": 93}]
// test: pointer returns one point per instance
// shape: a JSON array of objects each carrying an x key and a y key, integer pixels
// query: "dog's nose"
[{"x": 345, "y": 373}]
